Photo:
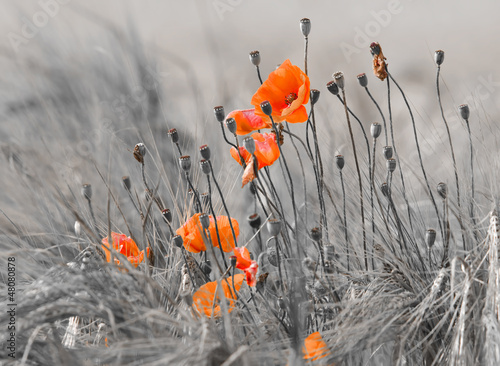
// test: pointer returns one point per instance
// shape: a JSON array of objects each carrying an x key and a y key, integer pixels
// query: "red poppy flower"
[
  {"x": 266, "y": 152},
  {"x": 126, "y": 246},
  {"x": 193, "y": 237},
  {"x": 206, "y": 298},
  {"x": 246, "y": 264},
  {"x": 287, "y": 89},
  {"x": 247, "y": 121},
  {"x": 315, "y": 348}
]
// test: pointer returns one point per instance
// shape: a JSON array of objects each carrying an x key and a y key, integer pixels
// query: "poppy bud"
[
  {"x": 126, "y": 182},
  {"x": 173, "y": 135},
  {"x": 206, "y": 267},
  {"x": 255, "y": 58},
  {"x": 205, "y": 152},
  {"x": 362, "y": 80},
  {"x": 254, "y": 220},
  {"x": 249, "y": 144},
  {"x": 140, "y": 152},
  {"x": 78, "y": 228},
  {"x": 274, "y": 226},
  {"x": 385, "y": 189},
  {"x": 329, "y": 251},
  {"x": 391, "y": 165},
  {"x": 266, "y": 108},
  {"x": 177, "y": 241},
  {"x": 464, "y": 111},
  {"x": 233, "y": 260},
  {"x": 430, "y": 237},
  {"x": 87, "y": 191},
  {"x": 219, "y": 113},
  {"x": 332, "y": 87},
  {"x": 439, "y": 57},
  {"x": 375, "y": 130},
  {"x": 442, "y": 190},
  {"x": 231, "y": 125},
  {"x": 167, "y": 215},
  {"x": 205, "y": 167},
  {"x": 375, "y": 48},
  {"x": 316, "y": 234},
  {"x": 339, "y": 160},
  {"x": 314, "y": 96},
  {"x": 185, "y": 163},
  {"x": 387, "y": 152},
  {"x": 305, "y": 26},
  {"x": 339, "y": 79}
]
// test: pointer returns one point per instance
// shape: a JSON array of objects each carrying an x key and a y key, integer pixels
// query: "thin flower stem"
[
  {"x": 258, "y": 74},
  {"x": 345, "y": 220},
  {"x": 225, "y": 137},
  {"x": 306, "y": 44},
  {"x": 381, "y": 114},
  {"x": 94, "y": 222},
  {"x": 187, "y": 267},
  {"x": 198, "y": 202},
  {"x": 472, "y": 179},
  {"x": 372, "y": 187},
  {"x": 215, "y": 220}
]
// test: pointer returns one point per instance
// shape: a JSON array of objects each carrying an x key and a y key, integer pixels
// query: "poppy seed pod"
[
  {"x": 272, "y": 256},
  {"x": 177, "y": 241},
  {"x": 206, "y": 267},
  {"x": 387, "y": 150},
  {"x": 442, "y": 190},
  {"x": 205, "y": 166},
  {"x": 167, "y": 215},
  {"x": 375, "y": 130},
  {"x": 233, "y": 260},
  {"x": 375, "y": 49},
  {"x": 332, "y": 87},
  {"x": 255, "y": 58},
  {"x": 126, "y": 182},
  {"x": 339, "y": 79},
  {"x": 254, "y": 220},
  {"x": 204, "y": 221},
  {"x": 87, "y": 191},
  {"x": 274, "y": 227},
  {"x": 305, "y": 26},
  {"x": 314, "y": 96},
  {"x": 249, "y": 144},
  {"x": 339, "y": 160},
  {"x": 464, "y": 111},
  {"x": 231, "y": 125},
  {"x": 219, "y": 113},
  {"x": 185, "y": 163},
  {"x": 430, "y": 237},
  {"x": 174, "y": 136},
  {"x": 316, "y": 234},
  {"x": 385, "y": 189},
  {"x": 266, "y": 108},
  {"x": 439, "y": 57},
  {"x": 362, "y": 80},
  {"x": 140, "y": 152},
  {"x": 205, "y": 152},
  {"x": 391, "y": 165}
]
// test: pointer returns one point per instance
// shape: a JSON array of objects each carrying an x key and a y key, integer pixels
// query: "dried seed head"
[
  {"x": 387, "y": 152},
  {"x": 272, "y": 256},
  {"x": 375, "y": 130},
  {"x": 167, "y": 215},
  {"x": 206, "y": 267},
  {"x": 177, "y": 241},
  {"x": 255, "y": 58},
  {"x": 174, "y": 136},
  {"x": 233, "y": 260},
  {"x": 185, "y": 163},
  {"x": 254, "y": 220},
  {"x": 205, "y": 152},
  {"x": 205, "y": 166},
  {"x": 305, "y": 26},
  {"x": 375, "y": 48},
  {"x": 339, "y": 160},
  {"x": 231, "y": 125},
  {"x": 78, "y": 228},
  {"x": 332, "y": 87},
  {"x": 274, "y": 226},
  {"x": 385, "y": 189},
  {"x": 329, "y": 251},
  {"x": 140, "y": 152},
  {"x": 219, "y": 113},
  {"x": 430, "y": 237},
  {"x": 316, "y": 234},
  {"x": 314, "y": 96},
  {"x": 363, "y": 80},
  {"x": 339, "y": 79},
  {"x": 391, "y": 165},
  {"x": 249, "y": 144},
  {"x": 442, "y": 189},
  {"x": 87, "y": 191},
  {"x": 266, "y": 108},
  {"x": 126, "y": 182},
  {"x": 204, "y": 221},
  {"x": 464, "y": 111},
  {"x": 439, "y": 57}
]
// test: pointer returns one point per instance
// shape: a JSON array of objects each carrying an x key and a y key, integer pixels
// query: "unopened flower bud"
[
  {"x": 231, "y": 125},
  {"x": 387, "y": 152},
  {"x": 204, "y": 221},
  {"x": 385, "y": 189},
  {"x": 174, "y": 136},
  {"x": 140, "y": 152},
  {"x": 314, "y": 96},
  {"x": 375, "y": 130},
  {"x": 339, "y": 160},
  {"x": 305, "y": 26},
  {"x": 464, "y": 111},
  {"x": 254, "y": 220},
  {"x": 316, "y": 234},
  {"x": 255, "y": 58},
  {"x": 362, "y": 80},
  {"x": 219, "y": 113},
  {"x": 339, "y": 79},
  {"x": 430, "y": 237},
  {"x": 249, "y": 144},
  {"x": 177, "y": 241},
  {"x": 206, "y": 267},
  {"x": 274, "y": 226},
  {"x": 185, "y": 163},
  {"x": 233, "y": 260},
  {"x": 205, "y": 152},
  {"x": 87, "y": 191},
  {"x": 439, "y": 57},
  {"x": 126, "y": 182},
  {"x": 167, "y": 215},
  {"x": 375, "y": 48},
  {"x": 332, "y": 87},
  {"x": 266, "y": 108},
  {"x": 442, "y": 190},
  {"x": 205, "y": 166},
  {"x": 391, "y": 165}
]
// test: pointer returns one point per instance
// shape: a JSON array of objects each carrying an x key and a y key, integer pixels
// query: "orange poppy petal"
[
  {"x": 192, "y": 235},
  {"x": 247, "y": 121},
  {"x": 243, "y": 260},
  {"x": 244, "y": 154},
  {"x": 266, "y": 151},
  {"x": 314, "y": 347},
  {"x": 248, "y": 174},
  {"x": 225, "y": 233},
  {"x": 251, "y": 274},
  {"x": 299, "y": 115}
]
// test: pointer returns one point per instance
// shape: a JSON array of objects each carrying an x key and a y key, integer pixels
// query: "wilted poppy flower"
[
  {"x": 126, "y": 246},
  {"x": 287, "y": 89},
  {"x": 247, "y": 121},
  {"x": 192, "y": 233},
  {"x": 379, "y": 64},
  {"x": 246, "y": 264},
  {"x": 207, "y": 296},
  {"x": 315, "y": 348},
  {"x": 266, "y": 152}
]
